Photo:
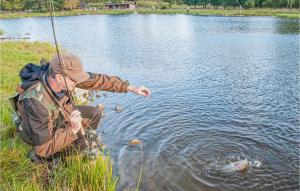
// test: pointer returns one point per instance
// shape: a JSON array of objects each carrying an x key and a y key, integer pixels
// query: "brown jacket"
[{"x": 48, "y": 139}]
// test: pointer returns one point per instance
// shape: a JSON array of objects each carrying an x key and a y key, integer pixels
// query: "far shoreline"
[{"x": 281, "y": 13}]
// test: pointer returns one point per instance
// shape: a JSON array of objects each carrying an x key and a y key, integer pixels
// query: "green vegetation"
[
  {"x": 64, "y": 13},
  {"x": 292, "y": 14},
  {"x": 41, "y": 5},
  {"x": 59, "y": 5},
  {"x": 17, "y": 172},
  {"x": 289, "y": 15},
  {"x": 1, "y": 32},
  {"x": 39, "y": 8},
  {"x": 151, "y": 4},
  {"x": 284, "y": 13}
]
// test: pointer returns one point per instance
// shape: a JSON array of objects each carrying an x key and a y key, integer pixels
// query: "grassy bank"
[
  {"x": 229, "y": 12},
  {"x": 64, "y": 13},
  {"x": 17, "y": 172},
  {"x": 284, "y": 13}
]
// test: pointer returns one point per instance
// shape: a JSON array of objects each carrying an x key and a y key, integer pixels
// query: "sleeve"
[
  {"x": 105, "y": 83},
  {"x": 46, "y": 143}
]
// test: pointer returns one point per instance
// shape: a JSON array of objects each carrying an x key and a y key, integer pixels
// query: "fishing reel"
[
  {"x": 91, "y": 135},
  {"x": 94, "y": 140}
]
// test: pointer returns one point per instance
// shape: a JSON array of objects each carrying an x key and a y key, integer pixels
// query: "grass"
[
  {"x": 292, "y": 14},
  {"x": 150, "y": 4},
  {"x": 288, "y": 16},
  {"x": 64, "y": 13},
  {"x": 176, "y": 9},
  {"x": 17, "y": 172}
]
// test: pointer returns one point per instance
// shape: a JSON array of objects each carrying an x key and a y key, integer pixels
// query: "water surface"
[{"x": 223, "y": 89}]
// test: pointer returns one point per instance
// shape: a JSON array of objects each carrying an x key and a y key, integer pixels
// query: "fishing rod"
[{"x": 90, "y": 135}]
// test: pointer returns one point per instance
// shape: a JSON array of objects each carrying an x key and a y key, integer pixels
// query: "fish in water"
[{"x": 236, "y": 166}]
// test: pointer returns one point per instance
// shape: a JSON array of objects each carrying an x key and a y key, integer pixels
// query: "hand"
[
  {"x": 140, "y": 90},
  {"x": 75, "y": 120}
]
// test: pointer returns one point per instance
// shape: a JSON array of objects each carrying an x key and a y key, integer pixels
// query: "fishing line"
[
  {"x": 53, "y": 22},
  {"x": 63, "y": 66},
  {"x": 141, "y": 147},
  {"x": 51, "y": 8},
  {"x": 141, "y": 170}
]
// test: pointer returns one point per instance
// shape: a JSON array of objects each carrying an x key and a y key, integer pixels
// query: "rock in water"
[
  {"x": 236, "y": 166},
  {"x": 100, "y": 107},
  {"x": 118, "y": 108},
  {"x": 135, "y": 142}
]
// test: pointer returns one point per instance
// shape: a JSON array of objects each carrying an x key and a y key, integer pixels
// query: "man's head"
[{"x": 70, "y": 68}]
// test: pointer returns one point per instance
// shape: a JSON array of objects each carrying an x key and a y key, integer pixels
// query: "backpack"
[{"x": 30, "y": 74}]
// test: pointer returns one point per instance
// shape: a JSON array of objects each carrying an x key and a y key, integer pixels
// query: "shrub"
[
  {"x": 163, "y": 7},
  {"x": 249, "y": 4}
]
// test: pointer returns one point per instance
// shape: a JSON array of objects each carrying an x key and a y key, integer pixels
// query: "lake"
[{"x": 223, "y": 89}]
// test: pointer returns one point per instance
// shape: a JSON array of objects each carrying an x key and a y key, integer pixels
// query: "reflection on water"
[
  {"x": 292, "y": 27},
  {"x": 224, "y": 89}
]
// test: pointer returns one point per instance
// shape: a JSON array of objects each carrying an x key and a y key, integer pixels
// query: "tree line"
[
  {"x": 245, "y": 3},
  {"x": 41, "y": 5},
  {"x": 37, "y": 5}
]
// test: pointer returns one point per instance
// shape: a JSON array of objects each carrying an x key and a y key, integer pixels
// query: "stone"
[
  {"x": 100, "y": 107},
  {"x": 135, "y": 142},
  {"x": 118, "y": 108}
]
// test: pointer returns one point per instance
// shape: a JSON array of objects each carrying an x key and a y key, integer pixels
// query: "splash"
[{"x": 231, "y": 164}]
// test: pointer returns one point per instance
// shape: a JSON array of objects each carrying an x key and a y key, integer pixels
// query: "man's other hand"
[
  {"x": 75, "y": 120},
  {"x": 140, "y": 90}
]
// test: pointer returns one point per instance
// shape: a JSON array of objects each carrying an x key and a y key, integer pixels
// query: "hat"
[{"x": 72, "y": 67}]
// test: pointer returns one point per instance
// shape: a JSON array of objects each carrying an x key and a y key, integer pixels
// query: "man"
[{"x": 49, "y": 120}]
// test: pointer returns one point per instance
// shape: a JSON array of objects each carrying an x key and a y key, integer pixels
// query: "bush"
[
  {"x": 267, "y": 3},
  {"x": 149, "y": 4},
  {"x": 249, "y": 4},
  {"x": 163, "y": 7}
]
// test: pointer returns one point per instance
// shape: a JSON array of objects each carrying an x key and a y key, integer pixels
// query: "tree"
[
  {"x": 203, "y": 2},
  {"x": 171, "y": 2},
  {"x": 249, "y": 4},
  {"x": 216, "y": 3},
  {"x": 227, "y": 3},
  {"x": 12, "y": 5},
  {"x": 42, "y": 5}
]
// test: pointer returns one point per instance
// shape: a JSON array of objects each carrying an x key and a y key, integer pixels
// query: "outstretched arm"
[
  {"x": 113, "y": 84},
  {"x": 105, "y": 83}
]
